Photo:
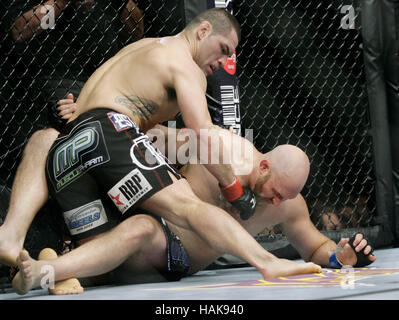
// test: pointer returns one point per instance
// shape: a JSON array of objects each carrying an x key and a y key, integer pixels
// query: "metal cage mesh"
[{"x": 302, "y": 82}]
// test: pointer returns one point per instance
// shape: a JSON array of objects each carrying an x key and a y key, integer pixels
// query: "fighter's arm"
[
  {"x": 313, "y": 246},
  {"x": 304, "y": 236},
  {"x": 190, "y": 87}
]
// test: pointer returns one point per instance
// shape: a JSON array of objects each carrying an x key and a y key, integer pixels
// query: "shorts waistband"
[{"x": 92, "y": 114}]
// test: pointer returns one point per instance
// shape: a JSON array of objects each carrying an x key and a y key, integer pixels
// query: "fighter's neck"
[{"x": 189, "y": 41}]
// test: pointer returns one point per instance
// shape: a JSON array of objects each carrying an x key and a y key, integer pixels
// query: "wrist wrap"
[
  {"x": 334, "y": 262},
  {"x": 233, "y": 191}
]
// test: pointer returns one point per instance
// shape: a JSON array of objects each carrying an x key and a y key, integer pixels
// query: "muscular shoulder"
[
  {"x": 294, "y": 210},
  {"x": 179, "y": 64}
]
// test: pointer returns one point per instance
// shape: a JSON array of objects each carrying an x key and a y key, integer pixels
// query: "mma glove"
[
  {"x": 243, "y": 199},
  {"x": 362, "y": 258}
]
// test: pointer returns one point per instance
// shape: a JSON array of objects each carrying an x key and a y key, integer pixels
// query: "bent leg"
[
  {"x": 148, "y": 260},
  {"x": 29, "y": 194},
  {"x": 98, "y": 256}
]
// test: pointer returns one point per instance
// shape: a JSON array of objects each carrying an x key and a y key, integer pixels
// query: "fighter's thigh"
[{"x": 174, "y": 202}]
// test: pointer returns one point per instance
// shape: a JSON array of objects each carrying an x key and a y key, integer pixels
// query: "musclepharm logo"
[
  {"x": 67, "y": 154},
  {"x": 82, "y": 150}
]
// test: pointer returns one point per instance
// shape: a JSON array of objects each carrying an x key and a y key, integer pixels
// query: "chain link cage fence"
[
  {"x": 302, "y": 82},
  {"x": 300, "y": 75}
]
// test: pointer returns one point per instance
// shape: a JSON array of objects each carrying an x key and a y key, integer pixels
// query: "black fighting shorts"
[
  {"x": 178, "y": 265},
  {"x": 102, "y": 162}
]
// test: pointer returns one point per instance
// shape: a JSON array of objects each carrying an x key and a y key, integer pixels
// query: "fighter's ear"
[
  {"x": 264, "y": 166},
  {"x": 204, "y": 29}
]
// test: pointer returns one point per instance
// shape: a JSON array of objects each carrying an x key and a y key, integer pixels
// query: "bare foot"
[
  {"x": 27, "y": 278},
  {"x": 310, "y": 267},
  {"x": 68, "y": 286},
  {"x": 284, "y": 268}
]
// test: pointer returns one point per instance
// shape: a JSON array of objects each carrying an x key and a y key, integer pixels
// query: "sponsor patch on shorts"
[
  {"x": 82, "y": 150},
  {"x": 129, "y": 190},
  {"x": 86, "y": 217},
  {"x": 121, "y": 121}
]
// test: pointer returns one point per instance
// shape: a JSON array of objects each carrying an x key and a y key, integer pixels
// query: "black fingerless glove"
[
  {"x": 362, "y": 258},
  {"x": 243, "y": 199}
]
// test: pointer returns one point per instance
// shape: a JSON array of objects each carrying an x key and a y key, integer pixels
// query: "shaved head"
[
  {"x": 290, "y": 165},
  {"x": 221, "y": 20}
]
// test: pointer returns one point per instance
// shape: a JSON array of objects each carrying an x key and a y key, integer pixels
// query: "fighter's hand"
[
  {"x": 242, "y": 198},
  {"x": 355, "y": 251},
  {"x": 66, "y": 107}
]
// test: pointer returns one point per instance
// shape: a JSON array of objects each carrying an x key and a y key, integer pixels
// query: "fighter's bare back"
[{"x": 138, "y": 81}]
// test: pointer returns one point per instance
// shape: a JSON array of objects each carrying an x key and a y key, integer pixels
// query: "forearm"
[
  {"x": 29, "y": 23},
  {"x": 214, "y": 155},
  {"x": 222, "y": 172},
  {"x": 321, "y": 255}
]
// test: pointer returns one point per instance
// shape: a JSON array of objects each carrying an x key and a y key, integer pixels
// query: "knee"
[
  {"x": 139, "y": 228},
  {"x": 41, "y": 140}
]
